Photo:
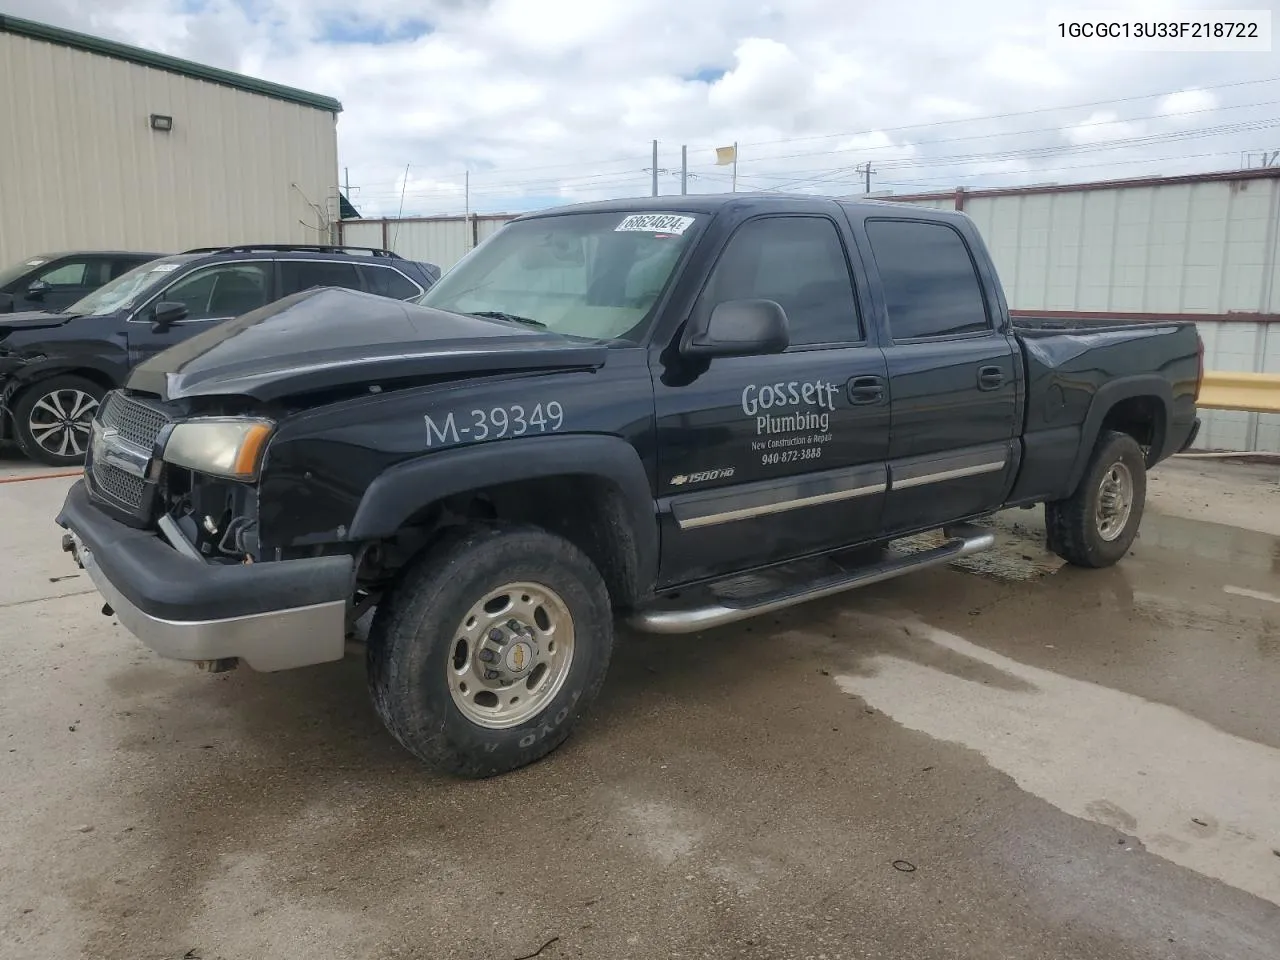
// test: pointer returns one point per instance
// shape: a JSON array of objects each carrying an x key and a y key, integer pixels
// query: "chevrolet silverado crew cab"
[
  {"x": 56, "y": 364},
  {"x": 679, "y": 411}
]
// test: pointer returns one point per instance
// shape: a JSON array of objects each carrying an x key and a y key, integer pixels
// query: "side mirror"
[
  {"x": 166, "y": 313},
  {"x": 37, "y": 290},
  {"x": 737, "y": 328}
]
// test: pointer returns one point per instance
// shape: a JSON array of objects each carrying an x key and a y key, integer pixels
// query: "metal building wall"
[
  {"x": 1202, "y": 249},
  {"x": 439, "y": 240},
  {"x": 83, "y": 168}
]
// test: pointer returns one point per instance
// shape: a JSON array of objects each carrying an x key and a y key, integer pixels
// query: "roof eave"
[{"x": 160, "y": 61}]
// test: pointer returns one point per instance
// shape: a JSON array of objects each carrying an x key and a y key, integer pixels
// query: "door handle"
[
  {"x": 865, "y": 390},
  {"x": 990, "y": 378}
]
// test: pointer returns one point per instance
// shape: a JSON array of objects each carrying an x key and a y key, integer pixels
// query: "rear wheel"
[
  {"x": 51, "y": 420},
  {"x": 1097, "y": 524},
  {"x": 488, "y": 649}
]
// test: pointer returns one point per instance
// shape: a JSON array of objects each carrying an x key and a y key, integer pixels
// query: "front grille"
[
  {"x": 139, "y": 424},
  {"x": 124, "y": 488},
  {"x": 136, "y": 421}
]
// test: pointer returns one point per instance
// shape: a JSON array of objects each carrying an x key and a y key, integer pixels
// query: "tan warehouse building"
[{"x": 110, "y": 146}]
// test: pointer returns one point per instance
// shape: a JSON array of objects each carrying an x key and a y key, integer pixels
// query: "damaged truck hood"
[
  {"x": 32, "y": 320},
  {"x": 328, "y": 338}
]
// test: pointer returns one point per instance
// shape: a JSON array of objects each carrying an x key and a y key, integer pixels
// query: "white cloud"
[
  {"x": 1101, "y": 126},
  {"x": 543, "y": 99},
  {"x": 1186, "y": 102}
]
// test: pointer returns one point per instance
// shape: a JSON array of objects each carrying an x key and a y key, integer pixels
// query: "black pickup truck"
[{"x": 679, "y": 411}]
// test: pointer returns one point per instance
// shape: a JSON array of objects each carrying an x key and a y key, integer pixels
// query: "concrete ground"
[{"x": 1006, "y": 759}]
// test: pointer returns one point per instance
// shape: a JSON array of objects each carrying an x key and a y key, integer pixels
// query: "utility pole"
[
  {"x": 735, "y": 167},
  {"x": 466, "y": 205},
  {"x": 866, "y": 169},
  {"x": 655, "y": 168},
  {"x": 684, "y": 169}
]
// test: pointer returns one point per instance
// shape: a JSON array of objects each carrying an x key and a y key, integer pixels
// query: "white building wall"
[
  {"x": 439, "y": 240},
  {"x": 82, "y": 167},
  {"x": 1204, "y": 247},
  {"x": 1208, "y": 247}
]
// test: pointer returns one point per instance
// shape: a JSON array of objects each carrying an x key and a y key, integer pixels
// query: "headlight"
[{"x": 228, "y": 447}]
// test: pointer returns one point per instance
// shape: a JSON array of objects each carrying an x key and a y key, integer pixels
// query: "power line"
[
  {"x": 865, "y": 149},
  {"x": 598, "y": 180},
  {"x": 1016, "y": 113},
  {"x": 938, "y": 123}
]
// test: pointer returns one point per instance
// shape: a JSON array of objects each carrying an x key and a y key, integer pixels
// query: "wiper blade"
[{"x": 499, "y": 315}]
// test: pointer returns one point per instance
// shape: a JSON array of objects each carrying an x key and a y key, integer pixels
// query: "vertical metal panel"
[
  {"x": 931, "y": 204},
  {"x": 439, "y": 240},
  {"x": 1206, "y": 247},
  {"x": 1268, "y": 426},
  {"x": 362, "y": 234},
  {"x": 83, "y": 168}
]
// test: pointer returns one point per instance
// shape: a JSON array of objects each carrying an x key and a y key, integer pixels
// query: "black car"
[
  {"x": 55, "y": 366},
  {"x": 54, "y": 281}
]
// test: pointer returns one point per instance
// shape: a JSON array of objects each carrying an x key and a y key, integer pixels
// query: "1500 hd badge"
[
  {"x": 702, "y": 476},
  {"x": 495, "y": 423}
]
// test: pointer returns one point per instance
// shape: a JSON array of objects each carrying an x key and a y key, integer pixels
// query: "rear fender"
[{"x": 1105, "y": 400}]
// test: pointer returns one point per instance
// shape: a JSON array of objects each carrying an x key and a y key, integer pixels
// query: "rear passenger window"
[
  {"x": 930, "y": 284},
  {"x": 799, "y": 263},
  {"x": 388, "y": 283},
  {"x": 299, "y": 275}
]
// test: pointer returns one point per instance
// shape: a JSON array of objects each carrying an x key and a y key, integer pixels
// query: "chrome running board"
[{"x": 788, "y": 584}]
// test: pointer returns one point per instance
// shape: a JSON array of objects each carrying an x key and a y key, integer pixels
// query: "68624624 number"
[{"x": 494, "y": 423}]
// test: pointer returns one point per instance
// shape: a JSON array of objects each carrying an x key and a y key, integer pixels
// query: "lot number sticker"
[{"x": 655, "y": 223}]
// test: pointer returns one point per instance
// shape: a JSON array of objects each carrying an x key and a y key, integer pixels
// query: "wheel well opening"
[
  {"x": 590, "y": 512},
  {"x": 93, "y": 376},
  {"x": 1142, "y": 418}
]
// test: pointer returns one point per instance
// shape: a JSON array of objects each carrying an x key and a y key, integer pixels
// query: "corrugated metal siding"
[
  {"x": 439, "y": 240},
  {"x": 83, "y": 168},
  {"x": 1206, "y": 247},
  {"x": 358, "y": 233}
]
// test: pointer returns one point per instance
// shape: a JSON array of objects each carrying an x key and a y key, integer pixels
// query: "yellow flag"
[{"x": 726, "y": 155}]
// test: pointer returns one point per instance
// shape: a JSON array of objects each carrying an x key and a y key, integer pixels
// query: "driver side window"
[
  {"x": 798, "y": 262},
  {"x": 72, "y": 274},
  {"x": 221, "y": 291}
]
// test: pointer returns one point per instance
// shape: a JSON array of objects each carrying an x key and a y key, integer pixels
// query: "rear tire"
[
  {"x": 1097, "y": 524},
  {"x": 489, "y": 648},
  {"x": 51, "y": 419}
]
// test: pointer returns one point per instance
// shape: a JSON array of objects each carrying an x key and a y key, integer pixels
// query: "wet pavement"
[{"x": 1002, "y": 759}]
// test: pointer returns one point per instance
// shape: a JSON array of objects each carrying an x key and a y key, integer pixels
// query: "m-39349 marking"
[{"x": 495, "y": 423}]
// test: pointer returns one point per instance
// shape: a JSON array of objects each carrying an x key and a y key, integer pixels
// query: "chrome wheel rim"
[
  {"x": 510, "y": 655},
  {"x": 60, "y": 421},
  {"x": 1115, "y": 501}
]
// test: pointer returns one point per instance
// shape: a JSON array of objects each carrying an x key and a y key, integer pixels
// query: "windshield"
[
  {"x": 595, "y": 275},
  {"x": 127, "y": 288},
  {"x": 10, "y": 274}
]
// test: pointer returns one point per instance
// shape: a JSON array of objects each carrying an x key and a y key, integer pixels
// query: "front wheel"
[
  {"x": 1097, "y": 524},
  {"x": 52, "y": 419},
  {"x": 489, "y": 648}
]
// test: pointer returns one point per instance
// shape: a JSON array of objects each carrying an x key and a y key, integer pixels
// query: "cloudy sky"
[{"x": 544, "y": 101}]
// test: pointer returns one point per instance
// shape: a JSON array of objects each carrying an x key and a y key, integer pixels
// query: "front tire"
[
  {"x": 52, "y": 418},
  {"x": 489, "y": 648},
  {"x": 1097, "y": 524}
]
